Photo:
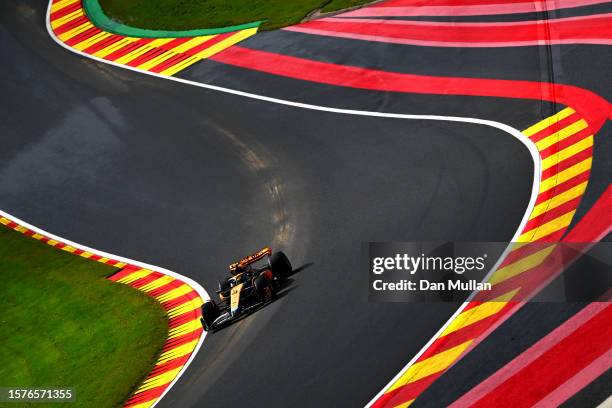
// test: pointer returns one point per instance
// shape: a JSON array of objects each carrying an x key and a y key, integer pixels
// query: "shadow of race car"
[{"x": 253, "y": 283}]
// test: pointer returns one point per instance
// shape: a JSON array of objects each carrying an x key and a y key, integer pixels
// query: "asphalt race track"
[{"x": 191, "y": 179}]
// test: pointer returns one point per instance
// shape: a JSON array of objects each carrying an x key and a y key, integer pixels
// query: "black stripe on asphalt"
[
  {"x": 517, "y": 63},
  {"x": 561, "y": 13},
  {"x": 589, "y": 279},
  {"x": 584, "y": 65},
  {"x": 593, "y": 394}
]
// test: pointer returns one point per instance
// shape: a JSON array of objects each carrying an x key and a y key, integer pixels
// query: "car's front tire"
[{"x": 210, "y": 313}]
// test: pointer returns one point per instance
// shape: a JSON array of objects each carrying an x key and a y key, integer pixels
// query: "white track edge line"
[{"x": 501, "y": 126}]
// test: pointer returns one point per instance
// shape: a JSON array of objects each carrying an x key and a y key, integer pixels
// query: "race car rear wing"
[{"x": 247, "y": 260}]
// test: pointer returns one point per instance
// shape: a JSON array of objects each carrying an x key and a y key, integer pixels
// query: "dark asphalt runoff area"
[{"x": 191, "y": 179}]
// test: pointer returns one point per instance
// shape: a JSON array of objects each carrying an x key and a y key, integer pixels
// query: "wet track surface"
[{"x": 191, "y": 179}]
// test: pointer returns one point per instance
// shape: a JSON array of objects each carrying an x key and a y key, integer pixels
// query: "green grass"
[
  {"x": 193, "y": 14},
  {"x": 64, "y": 325}
]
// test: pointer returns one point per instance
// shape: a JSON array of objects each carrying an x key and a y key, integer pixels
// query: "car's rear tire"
[
  {"x": 280, "y": 265},
  {"x": 263, "y": 287},
  {"x": 210, "y": 312}
]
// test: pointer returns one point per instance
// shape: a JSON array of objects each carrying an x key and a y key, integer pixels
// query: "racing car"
[{"x": 253, "y": 282}]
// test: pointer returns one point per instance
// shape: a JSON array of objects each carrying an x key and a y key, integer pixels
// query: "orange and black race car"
[{"x": 253, "y": 282}]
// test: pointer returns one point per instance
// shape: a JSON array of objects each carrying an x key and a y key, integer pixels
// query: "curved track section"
[
  {"x": 278, "y": 175},
  {"x": 301, "y": 190},
  {"x": 565, "y": 141}
]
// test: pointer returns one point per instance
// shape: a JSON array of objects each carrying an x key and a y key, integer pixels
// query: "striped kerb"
[
  {"x": 165, "y": 56},
  {"x": 183, "y": 307},
  {"x": 565, "y": 144}
]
